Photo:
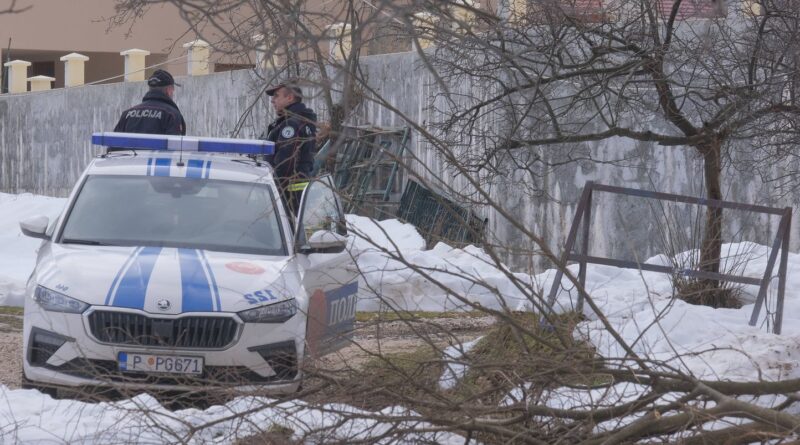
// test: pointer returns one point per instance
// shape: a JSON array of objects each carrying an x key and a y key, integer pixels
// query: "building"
[{"x": 45, "y": 31}]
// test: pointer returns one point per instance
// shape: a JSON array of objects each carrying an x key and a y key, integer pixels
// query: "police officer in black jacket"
[
  {"x": 294, "y": 133},
  {"x": 157, "y": 114}
]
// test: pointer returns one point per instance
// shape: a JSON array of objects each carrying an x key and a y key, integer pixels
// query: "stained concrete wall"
[
  {"x": 45, "y": 137},
  {"x": 45, "y": 144},
  {"x": 623, "y": 228}
]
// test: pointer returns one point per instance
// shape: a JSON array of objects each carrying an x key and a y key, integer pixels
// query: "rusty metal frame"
[{"x": 583, "y": 216}]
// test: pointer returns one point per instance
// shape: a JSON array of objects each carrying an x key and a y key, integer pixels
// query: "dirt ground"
[
  {"x": 10, "y": 350},
  {"x": 398, "y": 336},
  {"x": 370, "y": 338}
]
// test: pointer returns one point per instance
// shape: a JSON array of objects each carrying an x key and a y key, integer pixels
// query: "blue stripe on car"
[
  {"x": 133, "y": 287},
  {"x": 111, "y": 289},
  {"x": 208, "y": 169},
  {"x": 194, "y": 283},
  {"x": 214, "y": 287},
  {"x": 194, "y": 168},
  {"x": 150, "y": 167},
  {"x": 162, "y": 167}
]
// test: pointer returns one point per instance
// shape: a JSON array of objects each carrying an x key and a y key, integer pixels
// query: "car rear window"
[{"x": 226, "y": 216}]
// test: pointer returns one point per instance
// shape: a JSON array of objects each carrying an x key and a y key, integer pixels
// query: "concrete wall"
[
  {"x": 622, "y": 228},
  {"x": 44, "y": 145},
  {"x": 45, "y": 137}
]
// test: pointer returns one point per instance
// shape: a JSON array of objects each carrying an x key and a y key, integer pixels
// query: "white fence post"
[
  {"x": 74, "y": 69},
  {"x": 17, "y": 76},
  {"x": 463, "y": 12},
  {"x": 198, "y": 58},
  {"x": 263, "y": 60},
  {"x": 423, "y": 25},
  {"x": 41, "y": 83},
  {"x": 134, "y": 64},
  {"x": 342, "y": 40}
]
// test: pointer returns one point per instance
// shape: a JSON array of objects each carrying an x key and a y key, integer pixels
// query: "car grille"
[{"x": 184, "y": 332}]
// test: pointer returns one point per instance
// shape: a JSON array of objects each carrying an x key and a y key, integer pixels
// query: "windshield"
[{"x": 225, "y": 216}]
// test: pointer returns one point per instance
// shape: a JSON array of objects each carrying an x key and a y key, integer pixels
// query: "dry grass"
[
  {"x": 10, "y": 319},
  {"x": 414, "y": 315},
  {"x": 274, "y": 435},
  {"x": 706, "y": 293},
  {"x": 11, "y": 310},
  {"x": 511, "y": 353}
]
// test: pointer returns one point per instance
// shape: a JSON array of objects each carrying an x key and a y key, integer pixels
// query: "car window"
[
  {"x": 320, "y": 210},
  {"x": 225, "y": 216}
]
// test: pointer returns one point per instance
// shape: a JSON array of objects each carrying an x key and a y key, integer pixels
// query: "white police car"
[{"x": 174, "y": 265}]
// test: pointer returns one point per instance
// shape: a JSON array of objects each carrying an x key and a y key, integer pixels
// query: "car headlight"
[
  {"x": 273, "y": 313},
  {"x": 53, "y": 301}
]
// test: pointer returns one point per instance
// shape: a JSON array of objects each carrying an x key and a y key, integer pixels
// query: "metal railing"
[
  {"x": 583, "y": 216},
  {"x": 367, "y": 169},
  {"x": 438, "y": 218}
]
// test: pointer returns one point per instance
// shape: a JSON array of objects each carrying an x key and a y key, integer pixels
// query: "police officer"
[
  {"x": 294, "y": 133},
  {"x": 157, "y": 114}
]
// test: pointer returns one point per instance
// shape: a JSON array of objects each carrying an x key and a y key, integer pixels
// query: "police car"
[{"x": 175, "y": 264}]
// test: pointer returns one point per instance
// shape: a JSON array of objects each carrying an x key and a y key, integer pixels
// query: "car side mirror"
[
  {"x": 325, "y": 241},
  {"x": 35, "y": 227}
]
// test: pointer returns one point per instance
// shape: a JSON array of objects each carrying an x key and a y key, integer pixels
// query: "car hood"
[{"x": 165, "y": 280}]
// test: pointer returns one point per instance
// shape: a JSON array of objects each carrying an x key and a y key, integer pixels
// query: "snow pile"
[
  {"x": 403, "y": 276},
  {"x": 37, "y": 418},
  {"x": 392, "y": 235},
  {"x": 17, "y": 251},
  {"x": 708, "y": 343}
]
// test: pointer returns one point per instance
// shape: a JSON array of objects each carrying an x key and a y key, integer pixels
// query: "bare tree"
[
  {"x": 553, "y": 76},
  {"x": 564, "y": 73},
  {"x": 13, "y": 8}
]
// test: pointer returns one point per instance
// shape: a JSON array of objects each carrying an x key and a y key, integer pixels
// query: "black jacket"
[
  {"x": 294, "y": 133},
  {"x": 157, "y": 114}
]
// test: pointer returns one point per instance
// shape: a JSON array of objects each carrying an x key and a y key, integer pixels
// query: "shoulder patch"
[{"x": 287, "y": 132}]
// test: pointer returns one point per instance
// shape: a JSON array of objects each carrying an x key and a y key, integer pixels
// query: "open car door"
[{"x": 330, "y": 278}]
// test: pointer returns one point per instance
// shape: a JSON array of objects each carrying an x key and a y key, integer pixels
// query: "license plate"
[{"x": 174, "y": 364}]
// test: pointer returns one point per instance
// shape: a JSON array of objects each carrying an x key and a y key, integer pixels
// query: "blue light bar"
[{"x": 139, "y": 141}]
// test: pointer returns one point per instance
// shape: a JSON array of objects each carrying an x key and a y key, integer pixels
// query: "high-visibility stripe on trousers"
[{"x": 297, "y": 187}]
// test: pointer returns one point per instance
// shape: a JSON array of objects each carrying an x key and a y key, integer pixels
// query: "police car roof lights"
[{"x": 139, "y": 141}]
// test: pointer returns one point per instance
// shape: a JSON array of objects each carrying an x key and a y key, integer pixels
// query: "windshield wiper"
[{"x": 87, "y": 242}]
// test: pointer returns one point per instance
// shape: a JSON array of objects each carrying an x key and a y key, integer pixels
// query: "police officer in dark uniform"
[
  {"x": 294, "y": 133},
  {"x": 157, "y": 114}
]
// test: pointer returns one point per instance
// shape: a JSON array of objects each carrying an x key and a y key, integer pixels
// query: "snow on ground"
[
  {"x": 709, "y": 343},
  {"x": 455, "y": 369},
  {"x": 18, "y": 252},
  {"x": 27, "y": 416},
  {"x": 442, "y": 278}
]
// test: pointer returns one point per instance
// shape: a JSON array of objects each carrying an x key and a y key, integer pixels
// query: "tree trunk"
[{"x": 711, "y": 248}]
